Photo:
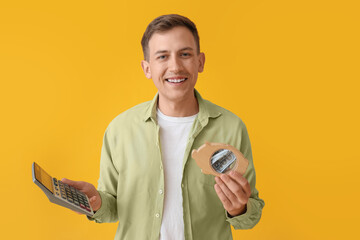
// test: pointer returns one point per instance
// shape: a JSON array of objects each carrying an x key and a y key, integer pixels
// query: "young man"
[{"x": 148, "y": 180}]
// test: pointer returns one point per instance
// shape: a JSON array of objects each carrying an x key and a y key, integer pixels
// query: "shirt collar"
[{"x": 206, "y": 109}]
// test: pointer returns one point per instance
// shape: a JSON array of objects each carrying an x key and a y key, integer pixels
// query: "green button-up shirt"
[{"x": 131, "y": 183}]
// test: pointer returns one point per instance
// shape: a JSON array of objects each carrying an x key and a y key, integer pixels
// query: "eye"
[
  {"x": 161, "y": 57},
  {"x": 185, "y": 54}
]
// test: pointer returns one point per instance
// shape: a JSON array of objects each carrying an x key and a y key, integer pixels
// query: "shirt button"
[
  {"x": 157, "y": 215},
  {"x": 182, "y": 185},
  {"x": 161, "y": 191}
]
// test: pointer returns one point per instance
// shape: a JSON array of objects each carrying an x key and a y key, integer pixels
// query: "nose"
[{"x": 174, "y": 64}]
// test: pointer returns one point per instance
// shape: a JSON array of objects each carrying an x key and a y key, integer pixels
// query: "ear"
[
  {"x": 194, "y": 153},
  {"x": 201, "y": 62},
  {"x": 146, "y": 68}
]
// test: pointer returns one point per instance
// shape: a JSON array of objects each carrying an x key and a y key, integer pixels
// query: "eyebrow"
[{"x": 165, "y": 51}]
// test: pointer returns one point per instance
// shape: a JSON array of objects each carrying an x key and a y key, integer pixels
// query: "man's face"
[{"x": 173, "y": 64}]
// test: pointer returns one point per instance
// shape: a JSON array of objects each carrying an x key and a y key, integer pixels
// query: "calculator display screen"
[{"x": 44, "y": 178}]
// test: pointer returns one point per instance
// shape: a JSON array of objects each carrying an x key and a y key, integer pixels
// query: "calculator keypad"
[{"x": 71, "y": 194}]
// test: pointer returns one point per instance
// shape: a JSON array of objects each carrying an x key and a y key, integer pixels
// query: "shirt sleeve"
[
  {"x": 107, "y": 185},
  {"x": 255, "y": 205}
]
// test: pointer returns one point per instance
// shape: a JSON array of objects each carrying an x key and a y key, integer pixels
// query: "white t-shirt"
[{"x": 174, "y": 133}]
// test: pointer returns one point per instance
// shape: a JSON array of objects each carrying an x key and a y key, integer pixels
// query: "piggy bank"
[{"x": 219, "y": 158}]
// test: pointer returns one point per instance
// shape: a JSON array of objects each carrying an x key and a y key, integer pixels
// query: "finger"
[
  {"x": 235, "y": 188},
  {"x": 225, "y": 189},
  {"x": 242, "y": 181},
  {"x": 94, "y": 203},
  {"x": 224, "y": 200}
]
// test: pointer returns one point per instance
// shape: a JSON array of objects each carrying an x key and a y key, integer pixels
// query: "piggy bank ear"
[{"x": 194, "y": 153}]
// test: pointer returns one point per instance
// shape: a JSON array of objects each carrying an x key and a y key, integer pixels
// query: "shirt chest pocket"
[{"x": 207, "y": 180}]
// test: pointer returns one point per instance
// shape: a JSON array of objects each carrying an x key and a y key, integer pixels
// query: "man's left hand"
[{"x": 234, "y": 191}]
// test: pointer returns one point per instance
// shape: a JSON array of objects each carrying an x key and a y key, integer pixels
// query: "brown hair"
[{"x": 165, "y": 23}]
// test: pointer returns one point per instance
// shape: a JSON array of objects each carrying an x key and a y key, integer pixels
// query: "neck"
[{"x": 178, "y": 108}]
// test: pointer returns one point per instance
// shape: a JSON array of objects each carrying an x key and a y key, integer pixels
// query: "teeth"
[{"x": 176, "y": 80}]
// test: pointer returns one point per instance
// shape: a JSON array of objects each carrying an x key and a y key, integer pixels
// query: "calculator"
[{"x": 60, "y": 193}]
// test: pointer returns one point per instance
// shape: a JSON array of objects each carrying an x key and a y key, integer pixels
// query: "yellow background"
[{"x": 289, "y": 69}]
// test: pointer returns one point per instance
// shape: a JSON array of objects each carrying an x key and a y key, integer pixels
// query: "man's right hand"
[{"x": 88, "y": 189}]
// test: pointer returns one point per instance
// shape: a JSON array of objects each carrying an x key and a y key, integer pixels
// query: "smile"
[{"x": 173, "y": 80}]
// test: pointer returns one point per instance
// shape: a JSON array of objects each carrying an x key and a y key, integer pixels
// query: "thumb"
[{"x": 75, "y": 184}]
